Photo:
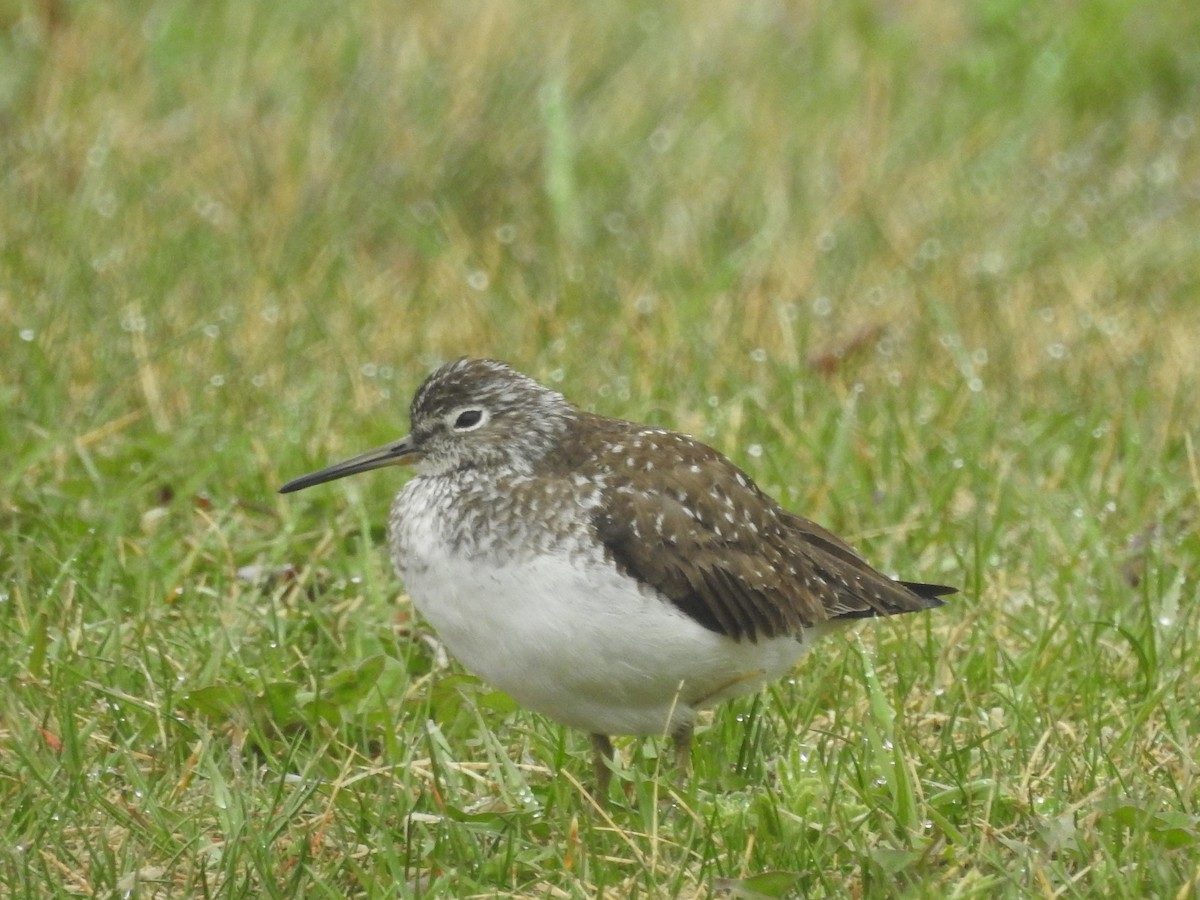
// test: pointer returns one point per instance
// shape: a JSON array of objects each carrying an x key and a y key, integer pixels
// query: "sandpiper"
[{"x": 613, "y": 576}]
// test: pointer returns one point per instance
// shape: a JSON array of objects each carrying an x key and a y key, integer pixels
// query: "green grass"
[{"x": 929, "y": 272}]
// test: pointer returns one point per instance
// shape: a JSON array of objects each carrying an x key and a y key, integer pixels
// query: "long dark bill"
[{"x": 397, "y": 453}]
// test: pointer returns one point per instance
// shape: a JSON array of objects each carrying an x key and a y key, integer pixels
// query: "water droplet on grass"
[
  {"x": 1163, "y": 171},
  {"x": 991, "y": 262},
  {"x": 645, "y": 304},
  {"x": 615, "y": 223},
  {"x": 661, "y": 139},
  {"x": 133, "y": 323}
]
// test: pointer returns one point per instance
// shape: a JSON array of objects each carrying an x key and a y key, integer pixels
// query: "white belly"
[{"x": 583, "y": 644}]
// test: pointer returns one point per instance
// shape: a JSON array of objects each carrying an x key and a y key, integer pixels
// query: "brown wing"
[{"x": 705, "y": 537}]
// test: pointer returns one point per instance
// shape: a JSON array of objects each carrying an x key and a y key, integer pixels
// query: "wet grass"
[{"x": 930, "y": 274}]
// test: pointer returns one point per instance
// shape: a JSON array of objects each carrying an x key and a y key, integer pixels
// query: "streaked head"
[{"x": 470, "y": 413}]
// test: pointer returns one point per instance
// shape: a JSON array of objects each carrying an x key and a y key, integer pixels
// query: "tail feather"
[
  {"x": 930, "y": 592},
  {"x": 927, "y": 592}
]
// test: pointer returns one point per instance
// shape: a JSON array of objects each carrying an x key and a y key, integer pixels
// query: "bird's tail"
[{"x": 930, "y": 592}]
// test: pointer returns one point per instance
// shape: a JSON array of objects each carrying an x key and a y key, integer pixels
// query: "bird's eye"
[{"x": 468, "y": 419}]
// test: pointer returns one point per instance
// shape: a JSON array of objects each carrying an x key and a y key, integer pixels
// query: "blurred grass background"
[{"x": 930, "y": 272}]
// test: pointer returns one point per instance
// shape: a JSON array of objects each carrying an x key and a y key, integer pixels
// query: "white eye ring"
[{"x": 467, "y": 418}]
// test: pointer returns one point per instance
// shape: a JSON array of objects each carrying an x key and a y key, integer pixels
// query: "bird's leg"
[
  {"x": 602, "y": 760},
  {"x": 681, "y": 737}
]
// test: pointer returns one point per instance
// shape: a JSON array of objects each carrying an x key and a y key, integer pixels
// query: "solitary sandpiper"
[{"x": 616, "y": 577}]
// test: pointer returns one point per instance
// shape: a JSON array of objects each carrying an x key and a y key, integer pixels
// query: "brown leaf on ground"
[{"x": 829, "y": 359}]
